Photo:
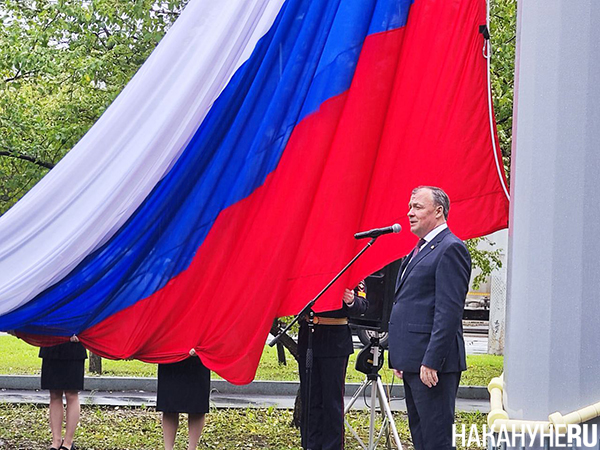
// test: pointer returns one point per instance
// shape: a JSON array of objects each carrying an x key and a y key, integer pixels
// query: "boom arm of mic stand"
[{"x": 310, "y": 304}]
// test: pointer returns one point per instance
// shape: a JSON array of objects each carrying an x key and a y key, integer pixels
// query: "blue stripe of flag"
[{"x": 308, "y": 56}]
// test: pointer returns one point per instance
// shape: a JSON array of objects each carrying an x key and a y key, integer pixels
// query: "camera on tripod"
[{"x": 380, "y": 288}]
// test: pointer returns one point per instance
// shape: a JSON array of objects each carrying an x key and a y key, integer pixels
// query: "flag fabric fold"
[{"x": 313, "y": 120}]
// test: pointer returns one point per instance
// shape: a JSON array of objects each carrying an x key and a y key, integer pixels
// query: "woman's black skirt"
[
  {"x": 62, "y": 374},
  {"x": 183, "y": 387}
]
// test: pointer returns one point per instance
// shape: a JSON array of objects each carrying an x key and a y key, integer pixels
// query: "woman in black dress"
[
  {"x": 62, "y": 373},
  {"x": 183, "y": 387}
]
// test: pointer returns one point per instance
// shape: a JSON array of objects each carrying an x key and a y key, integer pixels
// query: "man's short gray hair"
[{"x": 440, "y": 198}]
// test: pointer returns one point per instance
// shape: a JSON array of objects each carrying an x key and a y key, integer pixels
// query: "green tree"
[
  {"x": 503, "y": 31},
  {"x": 485, "y": 260},
  {"x": 62, "y": 62}
]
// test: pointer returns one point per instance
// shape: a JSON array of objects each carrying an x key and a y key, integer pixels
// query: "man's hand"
[
  {"x": 348, "y": 297},
  {"x": 192, "y": 352},
  {"x": 429, "y": 376},
  {"x": 74, "y": 338},
  {"x": 398, "y": 373}
]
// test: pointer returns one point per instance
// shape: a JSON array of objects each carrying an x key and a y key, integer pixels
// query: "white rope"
[{"x": 488, "y": 56}]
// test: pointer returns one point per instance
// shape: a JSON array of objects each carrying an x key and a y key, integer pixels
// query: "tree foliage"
[
  {"x": 62, "y": 62},
  {"x": 485, "y": 260}
]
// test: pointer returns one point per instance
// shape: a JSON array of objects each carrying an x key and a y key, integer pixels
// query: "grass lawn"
[
  {"x": 25, "y": 427},
  {"x": 19, "y": 358}
]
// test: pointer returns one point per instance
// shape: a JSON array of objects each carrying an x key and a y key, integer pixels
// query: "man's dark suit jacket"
[{"x": 426, "y": 320}]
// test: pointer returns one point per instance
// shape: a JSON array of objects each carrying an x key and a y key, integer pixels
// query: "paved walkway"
[
  {"x": 218, "y": 400},
  {"x": 476, "y": 344}
]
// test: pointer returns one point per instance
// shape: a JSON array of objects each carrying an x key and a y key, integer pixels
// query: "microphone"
[{"x": 376, "y": 232}]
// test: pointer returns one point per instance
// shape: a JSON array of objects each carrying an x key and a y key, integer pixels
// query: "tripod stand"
[{"x": 373, "y": 379}]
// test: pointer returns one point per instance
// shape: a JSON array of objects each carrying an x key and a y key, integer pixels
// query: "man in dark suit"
[
  {"x": 332, "y": 345},
  {"x": 426, "y": 343}
]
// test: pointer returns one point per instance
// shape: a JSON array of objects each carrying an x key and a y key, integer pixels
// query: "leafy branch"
[{"x": 28, "y": 158}]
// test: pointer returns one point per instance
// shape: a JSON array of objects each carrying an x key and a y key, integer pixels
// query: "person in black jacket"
[
  {"x": 332, "y": 345},
  {"x": 62, "y": 373}
]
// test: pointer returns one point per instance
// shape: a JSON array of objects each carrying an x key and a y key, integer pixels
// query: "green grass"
[
  {"x": 481, "y": 369},
  {"x": 25, "y": 427},
  {"x": 20, "y": 358}
]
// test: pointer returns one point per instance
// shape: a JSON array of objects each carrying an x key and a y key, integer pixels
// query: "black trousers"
[
  {"x": 431, "y": 410},
  {"x": 326, "y": 416}
]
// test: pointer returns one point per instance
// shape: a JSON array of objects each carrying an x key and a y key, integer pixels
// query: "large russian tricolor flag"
[{"x": 223, "y": 186}]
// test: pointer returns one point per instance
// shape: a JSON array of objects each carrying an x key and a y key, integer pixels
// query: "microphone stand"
[{"x": 307, "y": 310}]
